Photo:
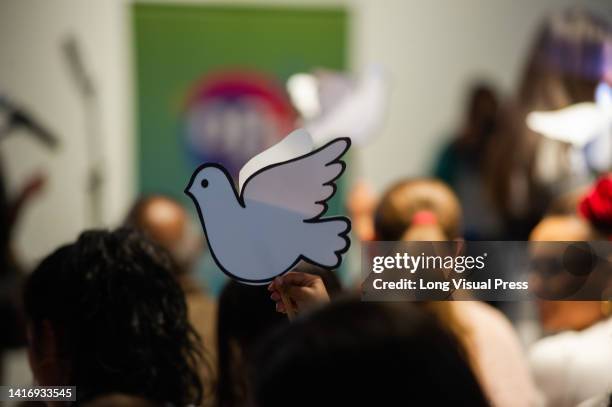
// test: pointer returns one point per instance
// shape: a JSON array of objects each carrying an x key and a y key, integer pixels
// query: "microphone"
[
  {"x": 76, "y": 65},
  {"x": 17, "y": 117}
]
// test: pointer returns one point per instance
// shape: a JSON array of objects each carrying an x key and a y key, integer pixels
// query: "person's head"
[
  {"x": 364, "y": 353},
  {"x": 550, "y": 280},
  {"x": 562, "y": 228},
  {"x": 106, "y": 314},
  {"x": 480, "y": 115},
  {"x": 166, "y": 222},
  {"x": 418, "y": 209},
  {"x": 579, "y": 216}
]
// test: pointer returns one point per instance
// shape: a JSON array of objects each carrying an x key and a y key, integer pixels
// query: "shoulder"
[
  {"x": 574, "y": 347},
  {"x": 498, "y": 354},
  {"x": 562, "y": 363},
  {"x": 491, "y": 331},
  {"x": 483, "y": 317},
  {"x": 604, "y": 400}
]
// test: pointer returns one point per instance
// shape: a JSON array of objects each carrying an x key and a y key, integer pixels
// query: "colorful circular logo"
[{"x": 230, "y": 116}]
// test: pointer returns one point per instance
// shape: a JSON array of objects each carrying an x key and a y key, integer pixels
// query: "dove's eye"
[{"x": 204, "y": 183}]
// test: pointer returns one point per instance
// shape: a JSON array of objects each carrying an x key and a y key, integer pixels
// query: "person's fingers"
[
  {"x": 302, "y": 289},
  {"x": 298, "y": 278},
  {"x": 298, "y": 293}
]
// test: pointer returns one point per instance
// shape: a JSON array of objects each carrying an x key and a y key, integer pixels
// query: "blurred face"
[{"x": 548, "y": 275}]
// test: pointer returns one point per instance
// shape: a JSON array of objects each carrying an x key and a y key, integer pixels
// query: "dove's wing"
[
  {"x": 366, "y": 105},
  {"x": 296, "y": 144},
  {"x": 302, "y": 184},
  {"x": 576, "y": 124}
]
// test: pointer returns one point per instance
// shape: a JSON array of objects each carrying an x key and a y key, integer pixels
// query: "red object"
[
  {"x": 424, "y": 217},
  {"x": 596, "y": 206}
]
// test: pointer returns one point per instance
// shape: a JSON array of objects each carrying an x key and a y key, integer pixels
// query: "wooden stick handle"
[{"x": 287, "y": 303}]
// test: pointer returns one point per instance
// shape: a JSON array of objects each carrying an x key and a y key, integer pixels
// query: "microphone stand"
[{"x": 94, "y": 149}]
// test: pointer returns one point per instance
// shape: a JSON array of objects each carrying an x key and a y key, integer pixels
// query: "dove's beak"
[{"x": 187, "y": 190}]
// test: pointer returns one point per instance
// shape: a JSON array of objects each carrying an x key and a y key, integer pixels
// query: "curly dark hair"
[{"x": 122, "y": 318}]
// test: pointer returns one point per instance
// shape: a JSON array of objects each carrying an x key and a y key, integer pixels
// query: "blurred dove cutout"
[
  {"x": 576, "y": 124},
  {"x": 275, "y": 219},
  {"x": 332, "y": 105}
]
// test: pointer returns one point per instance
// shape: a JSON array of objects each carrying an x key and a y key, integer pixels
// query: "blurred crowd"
[{"x": 120, "y": 314}]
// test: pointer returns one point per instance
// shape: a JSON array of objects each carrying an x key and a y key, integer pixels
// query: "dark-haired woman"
[{"x": 105, "y": 314}]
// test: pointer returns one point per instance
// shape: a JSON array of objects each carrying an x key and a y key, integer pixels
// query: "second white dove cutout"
[{"x": 276, "y": 218}]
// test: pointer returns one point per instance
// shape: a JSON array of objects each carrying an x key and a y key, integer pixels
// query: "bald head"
[
  {"x": 162, "y": 219},
  {"x": 166, "y": 222}
]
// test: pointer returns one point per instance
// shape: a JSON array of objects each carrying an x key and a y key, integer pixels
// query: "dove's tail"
[{"x": 330, "y": 237}]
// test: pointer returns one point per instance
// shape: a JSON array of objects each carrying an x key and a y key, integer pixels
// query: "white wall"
[
  {"x": 34, "y": 72},
  {"x": 433, "y": 49}
]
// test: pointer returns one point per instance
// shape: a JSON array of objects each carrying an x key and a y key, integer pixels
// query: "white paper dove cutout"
[
  {"x": 358, "y": 113},
  {"x": 577, "y": 124},
  {"x": 275, "y": 219}
]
